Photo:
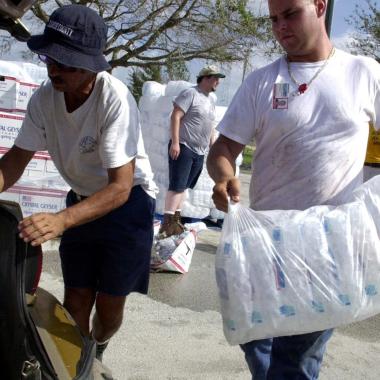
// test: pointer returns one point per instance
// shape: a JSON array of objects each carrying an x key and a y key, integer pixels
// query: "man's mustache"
[{"x": 57, "y": 80}]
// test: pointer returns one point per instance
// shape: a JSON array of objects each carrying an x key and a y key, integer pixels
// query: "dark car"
[
  {"x": 10, "y": 13},
  {"x": 38, "y": 338}
]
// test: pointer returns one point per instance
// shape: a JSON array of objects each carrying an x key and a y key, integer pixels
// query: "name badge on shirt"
[{"x": 280, "y": 96}]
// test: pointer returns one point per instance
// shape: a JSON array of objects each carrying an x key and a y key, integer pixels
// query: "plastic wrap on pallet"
[{"x": 155, "y": 120}]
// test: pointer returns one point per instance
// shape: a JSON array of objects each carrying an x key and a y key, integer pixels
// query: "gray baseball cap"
[{"x": 211, "y": 70}]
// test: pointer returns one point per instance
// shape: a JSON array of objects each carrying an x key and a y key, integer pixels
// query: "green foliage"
[
  {"x": 139, "y": 76},
  {"x": 248, "y": 155},
  {"x": 172, "y": 71},
  {"x": 366, "y": 21},
  {"x": 176, "y": 70}
]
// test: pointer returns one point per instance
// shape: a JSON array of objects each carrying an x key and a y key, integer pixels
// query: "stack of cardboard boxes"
[{"x": 40, "y": 189}]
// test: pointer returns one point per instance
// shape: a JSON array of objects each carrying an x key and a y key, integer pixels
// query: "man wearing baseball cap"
[
  {"x": 210, "y": 70},
  {"x": 192, "y": 123},
  {"x": 89, "y": 123}
]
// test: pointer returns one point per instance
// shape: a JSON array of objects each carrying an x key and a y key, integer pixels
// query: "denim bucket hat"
[{"x": 74, "y": 36}]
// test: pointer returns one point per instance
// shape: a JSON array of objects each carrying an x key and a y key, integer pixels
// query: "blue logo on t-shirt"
[{"x": 87, "y": 144}]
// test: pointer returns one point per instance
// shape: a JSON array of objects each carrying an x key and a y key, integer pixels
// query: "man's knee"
[
  {"x": 79, "y": 303},
  {"x": 109, "y": 311},
  {"x": 79, "y": 299}
]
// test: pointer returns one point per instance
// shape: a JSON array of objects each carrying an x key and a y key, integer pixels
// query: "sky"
[
  {"x": 342, "y": 10},
  {"x": 340, "y": 34}
]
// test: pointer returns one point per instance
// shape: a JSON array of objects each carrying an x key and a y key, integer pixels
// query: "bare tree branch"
[
  {"x": 161, "y": 32},
  {"x": 366, "y": 21}
]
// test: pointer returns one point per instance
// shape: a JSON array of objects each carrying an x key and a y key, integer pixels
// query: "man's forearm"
[
  {"x": 221, "y": 168},
  {"x": 41, "y": 227},
  {"x": 175, "y": 124},
  {"x": 7, "y": 181},
  {"x": 115, "y": 194},
  {"x": 1, "y": 182},
  {"x": 97, "y": 205},
  {"x": 220, "y": 162}
]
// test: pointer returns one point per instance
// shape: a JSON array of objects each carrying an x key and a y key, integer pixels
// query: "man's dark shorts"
[
  {"x": 185, "y": 170},
  {"x": 111, "y": 254}
]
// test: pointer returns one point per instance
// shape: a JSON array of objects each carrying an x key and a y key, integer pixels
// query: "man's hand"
[
  {"x": 41, "y": 227},
  {"x": 224, "y": 190},
  {"x": 174, "y": 150}
]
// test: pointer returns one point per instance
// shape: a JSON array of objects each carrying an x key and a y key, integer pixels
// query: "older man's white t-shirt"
[{"x": 102, "y": 133}]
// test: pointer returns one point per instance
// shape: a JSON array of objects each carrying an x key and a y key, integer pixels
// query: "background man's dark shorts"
[
  {"x": 111, "y": 254},
  {"x": 185, "y": 170}
]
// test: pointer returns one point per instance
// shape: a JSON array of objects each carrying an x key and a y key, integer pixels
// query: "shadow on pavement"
[
  {"x": 195, "y": 290},
  {"x": 365, "y": 331}
]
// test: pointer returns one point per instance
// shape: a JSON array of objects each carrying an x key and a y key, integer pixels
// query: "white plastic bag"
[{"x": 293, "y": 272}]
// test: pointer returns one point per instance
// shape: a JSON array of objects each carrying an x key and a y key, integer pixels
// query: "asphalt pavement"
[{"x": 175, "y": 332}]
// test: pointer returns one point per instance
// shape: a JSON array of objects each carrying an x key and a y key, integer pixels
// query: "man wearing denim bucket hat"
[
  {"x": 192, "y": 122},
  {"x": 89, "y": 123}
]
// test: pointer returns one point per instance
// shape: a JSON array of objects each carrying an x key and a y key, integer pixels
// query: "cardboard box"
[
  {"x": 8, "y": 93},
  {"x": 179, "y": 259},
  {"x": 40, "y": 188},
  {"x": 50, "y": 167},
  {"x": 36, "y": 200},
  {"x": 10, "y": 125},
  {"x": 39, "y": 166},
  {"x": 15, "y": 94}
]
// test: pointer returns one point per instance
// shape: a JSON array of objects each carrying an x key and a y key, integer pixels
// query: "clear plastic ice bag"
[{"x": 286, "y": 272}]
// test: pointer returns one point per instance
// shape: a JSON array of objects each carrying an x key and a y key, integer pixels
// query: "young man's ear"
[{"x": 320, "y": 7}]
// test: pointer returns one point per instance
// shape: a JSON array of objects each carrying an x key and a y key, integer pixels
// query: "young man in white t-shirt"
[
  {"x": 308, "y": 113},
  {"x": 89, "y": 123}
]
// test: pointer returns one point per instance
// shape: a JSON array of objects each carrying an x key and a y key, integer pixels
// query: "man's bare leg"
[
  {"x": 79, "y": 303},
  {"x": 173, "y": 201},
  {"x": 106, "y": 321},
  {"x": 108, "y": 316}
]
